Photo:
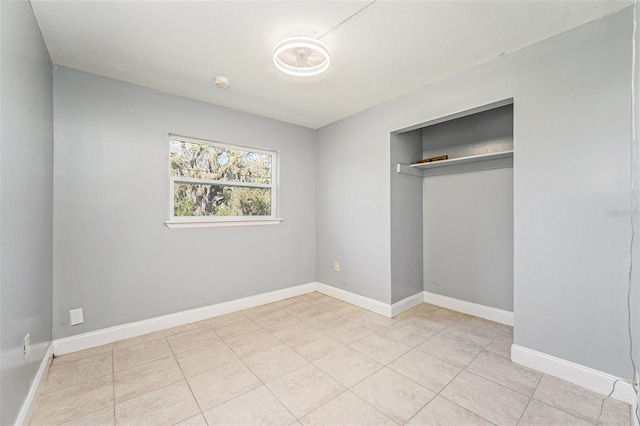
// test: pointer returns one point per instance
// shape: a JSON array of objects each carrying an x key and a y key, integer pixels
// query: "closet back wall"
[
  {"x": 468, "y": 217},
  {"x": 114, "y": 256}
]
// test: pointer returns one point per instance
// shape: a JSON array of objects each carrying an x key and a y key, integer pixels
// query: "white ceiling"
[{"x": 388, "y": 49}]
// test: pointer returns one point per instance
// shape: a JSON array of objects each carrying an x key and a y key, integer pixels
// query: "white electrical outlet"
[
  {"x": 26, "y": 346},
  {"x": 336, "y": 266},
  {"x": 76, "y": 316}
]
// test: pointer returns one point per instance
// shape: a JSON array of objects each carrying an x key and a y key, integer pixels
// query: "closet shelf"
[{"x": 494, "y": 160}]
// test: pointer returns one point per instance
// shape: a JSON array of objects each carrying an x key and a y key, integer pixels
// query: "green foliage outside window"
[{"x": 230, "y": 182}]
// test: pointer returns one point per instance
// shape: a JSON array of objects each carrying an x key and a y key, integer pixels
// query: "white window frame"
[{"x": 214, "y": 221}]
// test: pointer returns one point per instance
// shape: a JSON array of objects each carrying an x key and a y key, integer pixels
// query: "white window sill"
[{"x": 219, "y": 223}]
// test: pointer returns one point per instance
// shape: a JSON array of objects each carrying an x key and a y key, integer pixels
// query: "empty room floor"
[{"x": 314, "y": 359}]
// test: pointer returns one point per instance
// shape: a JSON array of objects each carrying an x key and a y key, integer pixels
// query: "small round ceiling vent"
[{"x": 301, "y": 56}]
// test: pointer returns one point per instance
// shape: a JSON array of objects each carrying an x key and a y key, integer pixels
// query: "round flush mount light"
[{"x": 301, "y": 56}]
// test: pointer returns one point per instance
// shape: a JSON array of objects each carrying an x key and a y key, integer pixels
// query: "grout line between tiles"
[
  {"x": 529, "y": 401},
  {"x": 188, "y": 384}
]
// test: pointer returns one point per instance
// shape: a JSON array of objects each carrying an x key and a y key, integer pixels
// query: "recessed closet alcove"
[{"x": 452, "y": 220}]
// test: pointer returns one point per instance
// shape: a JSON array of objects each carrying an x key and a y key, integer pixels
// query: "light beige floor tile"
[
  {"x": 261, "y": 310},
  {"x": 421, "y": 308},
  {"x": 104, "y": 417},
  {"x": 82, "y": 354},
  {"x": 480, "y": 326},
  {"x": 271, "y": 318},
  {"x": 505, "y": 372},
  {"x": 192, "y": 339},
  {"x": 615, "y": 413},
  {"x": 199, "y": 360},
  {"x": 320, "y": 320},
  {"x": 393, "y": 394},
  {"x": 479, "y": 323},
  {"x": 299, "y": 307},
  {"x": 429, "y": 371},
  {"x": 569, "y": 397},
  {"x": 313, "y": 296},
  {"x": 218, "y": 377},
  {"x": 276, "y": 321},
  {"x": 467, "y": 334},
  {"x": 250, "y": 343},
  {"x": 289, "y": 330},
  {"x": 164, "y": 406},
  {"x": 346, "y": 409},
  {"x": 305, "y": 389},
  {"x": 348, "y": 311},
  {"x": 80, "y": 370},
  {"x": 235, "y": 327},
  {"x": 348, "y": 366},
  {"x": 146, "y": 378},
  {"x": 501, "y": 346},
  {"x": 441, "y": 412},
  {"x": 451, "y": 350},
  {"x": 256, "y": 407},
  {"x": 424, "y": 320},
  {"x": 222, "y": 384},
  {"x": 407, "y": 333},
  {"x": 374, "y": 321},
  {"x": 184, "y": 328},
  {"x": 287, "y": 302},
  {"x": 136, "y": 341},
  {"x": 326, "y": 301},
  {"x": 348, "y": 332},
  {"x": 485, "y": 398},
  {"x": 315, "y": 345},
  {"x": 274, "y": 362},
  {"x": 432, "y": 318},
  {"x": 74, "y": 401},
  {"x": 197, "y": 420},
  {"x": 447, "y": 316},
  {"x": 134, "y": 355},
  {"x": 382, "y": 349},
  {"x": 216, "y": 322},
  {"x": 540, "y": 414}
]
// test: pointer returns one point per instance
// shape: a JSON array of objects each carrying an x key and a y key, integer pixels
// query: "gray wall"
[
  {"x": 468, "y": 236},
  {"x": 571, "y": 140},
  {"x": 480, "y": 133},
  {"x": 114, "y": 256},
  {"x": 353, "y": 196},
  {"x": 26, "y": 186},
  {"x": 468, "y": 217},
  {"x": 406, "y": 218}
]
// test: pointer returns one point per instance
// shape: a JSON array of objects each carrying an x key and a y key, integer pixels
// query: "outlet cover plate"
[{"x": 76, "y": 316}]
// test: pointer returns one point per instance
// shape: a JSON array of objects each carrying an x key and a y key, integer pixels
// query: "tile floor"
[{"x": 315, "y": 360}]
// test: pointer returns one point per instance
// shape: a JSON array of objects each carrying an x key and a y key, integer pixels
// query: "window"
[{"x": 211, "y": 182}]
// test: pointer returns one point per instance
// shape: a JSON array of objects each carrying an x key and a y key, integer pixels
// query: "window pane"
[
  {"x": 210, "y": 162},
  {"x": 191, "y": 199}
]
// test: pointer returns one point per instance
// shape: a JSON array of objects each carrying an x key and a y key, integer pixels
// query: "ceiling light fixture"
[{"x": 301, "y": 56}]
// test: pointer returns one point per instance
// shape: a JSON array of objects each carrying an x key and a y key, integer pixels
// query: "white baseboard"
[
  {"x": 355, "y": 299},
  {"x": 482, "y": 311},
  {"x": 29, "y": 405},
  {"x": 125, "y": 331},
  {"x": 406, "y": 304},
  {"x": 588, "y": 378},
  {"x": 120, "y": 332}
]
